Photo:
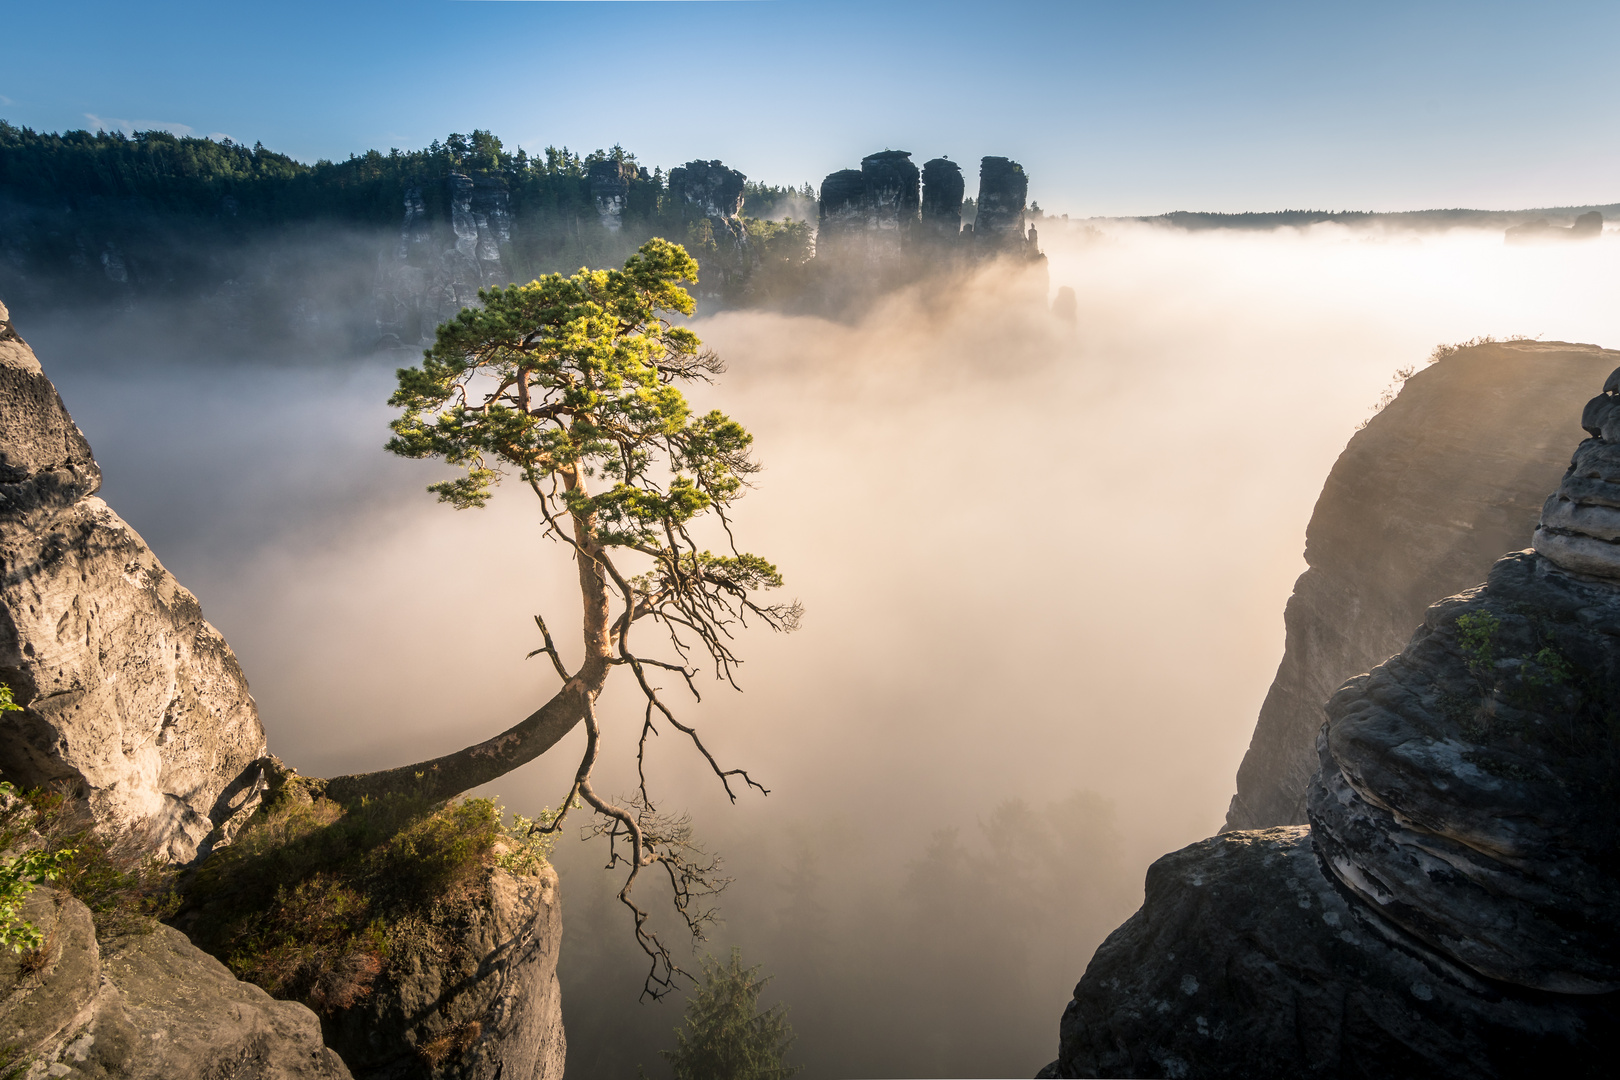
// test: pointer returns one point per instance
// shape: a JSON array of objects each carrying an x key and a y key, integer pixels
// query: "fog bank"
[{"x": 1044, "y": 564}]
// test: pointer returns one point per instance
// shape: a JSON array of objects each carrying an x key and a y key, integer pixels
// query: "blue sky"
[{"x": 1113, "y": 107}]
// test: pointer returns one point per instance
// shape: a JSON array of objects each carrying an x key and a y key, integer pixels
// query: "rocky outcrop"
[
  {"x": 428, "y": 277},
  {"x": 1587, "y": 226},
  {"x": 610, "y": 190},
  {"x": 144, "y": 1006},
  {"x": 710, "y": 201},
  {"x": 1247, "y": 961},
  {"x": 942, "y": 200},
  {"x": 473, "y": 996},
  {"x": 878, "y": 216},
  {"x": 130, "y": 697},
  {"x": 1003, "y": 187},
  {"x": 1419, "y": 505},
  {"x": 1452, "y": 908}
]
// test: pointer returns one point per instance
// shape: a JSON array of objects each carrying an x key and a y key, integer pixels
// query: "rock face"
[
  {"x": 1468, "y": 787},
  {"x": 1419, "y": 505},
  {"x": 425, "y": 281},
  {"x": 1003, "y": 187},
  {"x": 942, "y": 200},
  {"x": 1452, "y": 909},
  {"x": 130, "y": 696},
  {"x": 1247, "y": 961},
  {"x": 481, "y": 1002},
  {"x": 877, "y": 228},
  {"x": 710, "y": 198},
  {"x": 610, "y": 190},
  {"x": 145, "y": 1007}
]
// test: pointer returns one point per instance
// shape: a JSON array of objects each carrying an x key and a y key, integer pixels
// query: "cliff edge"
[
  {"x": 129, "y": 695},
  {"x": 1420, "y": 504},
  {"x": 1451, "y": 911}
]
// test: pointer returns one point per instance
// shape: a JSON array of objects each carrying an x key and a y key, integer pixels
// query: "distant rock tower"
[
  {"x": 610, "y": 190},
  {"x": 709, "y": 191},
  {"x": 887, "y": 212},
  {"x": 1003, "y": 187},
  {"x": 942, "y": 200}
]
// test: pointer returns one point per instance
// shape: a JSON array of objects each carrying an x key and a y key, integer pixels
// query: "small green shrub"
[
  {"x": 126, "y": 884},
  {"x": 312, "y": 898},
  {"x": 18, "y": 876},
  {"x": 1476, "y": 637}
]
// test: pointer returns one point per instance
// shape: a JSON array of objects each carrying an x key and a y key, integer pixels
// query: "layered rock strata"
[
  {"x": 144, "y": 1006},
  {"x": 1420, "y": 504},
  {"x": 1246, "y": 960},
  {"x": 130, "y": 697},
  {"x": 1454, "y": 907}
]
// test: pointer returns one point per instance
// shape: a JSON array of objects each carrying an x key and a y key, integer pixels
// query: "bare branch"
[{"x": 550, "y": 649}]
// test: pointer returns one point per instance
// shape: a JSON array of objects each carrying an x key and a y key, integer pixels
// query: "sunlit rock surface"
[
  {"x": 131, "y": 698},
  {"x": 145, "y": 1007},
  {"x": 1420, "y": 504},
  {"x": 1453, "y": 909}
]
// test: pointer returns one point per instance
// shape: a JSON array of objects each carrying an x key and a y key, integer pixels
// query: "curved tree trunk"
[{"x": 448, "y": 776}]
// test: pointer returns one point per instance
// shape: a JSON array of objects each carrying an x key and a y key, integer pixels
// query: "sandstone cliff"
[
  {"x": 149, "y": 1006},
  {"x": 129, "y": 694},
  {"x": 1419, "y": 505},
  {"x": 1452, "y": 908},
  {"x": 136, "y": 709}
]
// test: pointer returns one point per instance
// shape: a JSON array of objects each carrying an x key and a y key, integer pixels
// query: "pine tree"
[{"x": 726, "y": 1036}]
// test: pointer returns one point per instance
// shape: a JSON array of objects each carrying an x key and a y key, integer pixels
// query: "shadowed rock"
[
  {"x": 1003, "y": 187},
  {"x": 1454, "y": 908},
  {"x": 942, "y": 199},
  {"x": 1420, "y": 505}
]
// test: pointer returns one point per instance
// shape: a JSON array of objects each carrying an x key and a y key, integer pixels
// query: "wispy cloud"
[
  {"x": 6, "y": 101},
  {"x": 129, "y": 127}
]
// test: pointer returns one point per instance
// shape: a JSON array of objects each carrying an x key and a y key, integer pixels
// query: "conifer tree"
[{"x": 726, "y": 1036}]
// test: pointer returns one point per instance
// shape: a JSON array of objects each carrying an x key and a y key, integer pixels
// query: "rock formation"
[
  {"x": 610, "y": 190},
  {"x": 710, "y": 201},
  {"x": 942, "y": 200},
  {"x": 144, "y": 1006},
  {"x": 138, "y": 707},
  {"x": 1489, "y": 425},
  {"x": 1003, "y": 187},
  {"x": 425, "y": 280},
  {"x": 130, "y": 696},
  {"x": 878, "y": 215},
  {"x": 1452, "y": 908},
  {"x": 1587, "y": 226},
  {"x": 842, "y": 216},
  {"x": 479, "y": 1003}
]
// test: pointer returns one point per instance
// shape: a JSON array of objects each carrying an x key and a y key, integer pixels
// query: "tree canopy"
[{"x": 570, "y": 386}]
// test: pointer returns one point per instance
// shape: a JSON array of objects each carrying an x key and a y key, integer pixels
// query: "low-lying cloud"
[{"x": 1044, "y": 563}]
